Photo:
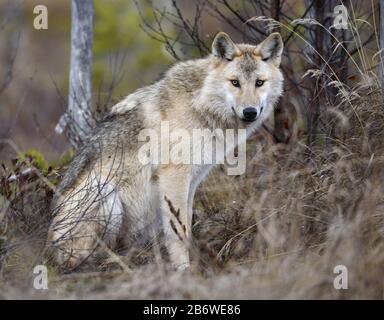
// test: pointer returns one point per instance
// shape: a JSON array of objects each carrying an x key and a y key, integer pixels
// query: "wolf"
[{"x": 109, "y": 197}]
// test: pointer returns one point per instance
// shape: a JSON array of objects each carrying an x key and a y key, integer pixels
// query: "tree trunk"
[
  {"x": 79, "y": 115},
  {"x": 381, "y": 37},
  {"x": 316, "y": 37},
  {"x": 279, "y": 116}
]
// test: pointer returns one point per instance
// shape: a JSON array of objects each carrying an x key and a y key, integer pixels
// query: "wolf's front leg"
[{"x": 174, "y": 189}]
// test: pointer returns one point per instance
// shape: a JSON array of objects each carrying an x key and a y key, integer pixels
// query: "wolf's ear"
[
  {"x": 223, "y": 47},
  {"x": 271, "y": 48}
]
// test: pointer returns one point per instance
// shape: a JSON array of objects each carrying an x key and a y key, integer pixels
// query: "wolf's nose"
[{"x": 249, "y": 114}]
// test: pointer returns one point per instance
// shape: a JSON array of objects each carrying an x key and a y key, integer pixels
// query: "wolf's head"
[{"x": 245, "y": 80}]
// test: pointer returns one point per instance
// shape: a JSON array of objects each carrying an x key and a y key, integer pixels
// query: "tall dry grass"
[{"x": 279, "y": 230}]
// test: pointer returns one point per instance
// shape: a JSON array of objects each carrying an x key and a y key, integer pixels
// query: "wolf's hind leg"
[
  {"x": 82, "y": 224},
  {"x": 75, "y": 243}
]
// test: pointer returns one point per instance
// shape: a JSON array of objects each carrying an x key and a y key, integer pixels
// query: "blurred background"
[
  {"x": 34, "y": 67},
  {"x": 134, "y": 41}
]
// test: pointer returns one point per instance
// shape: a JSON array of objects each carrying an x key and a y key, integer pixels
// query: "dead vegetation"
[{"x": 276, "y": 232}]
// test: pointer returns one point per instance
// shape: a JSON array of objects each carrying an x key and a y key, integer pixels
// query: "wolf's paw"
[{"x": 180, "y": 267}]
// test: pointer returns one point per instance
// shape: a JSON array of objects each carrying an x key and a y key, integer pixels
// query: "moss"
[{"x": 36, "y": 158}]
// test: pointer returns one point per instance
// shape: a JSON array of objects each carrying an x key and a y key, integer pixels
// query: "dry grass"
[{"x": 276, "y": 232}]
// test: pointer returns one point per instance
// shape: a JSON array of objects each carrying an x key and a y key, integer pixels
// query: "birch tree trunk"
[{"x": 79, "y": 115}]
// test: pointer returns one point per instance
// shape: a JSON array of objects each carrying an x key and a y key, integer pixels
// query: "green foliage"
[{"x": 117, "y": 30}]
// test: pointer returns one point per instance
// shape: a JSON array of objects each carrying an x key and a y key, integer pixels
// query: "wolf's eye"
[
  {"x": 235, "y": 83},
  {"x": 259, "y": 83}
]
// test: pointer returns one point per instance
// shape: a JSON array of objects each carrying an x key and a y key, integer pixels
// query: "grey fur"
[{"x": 108, "y": 195}]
